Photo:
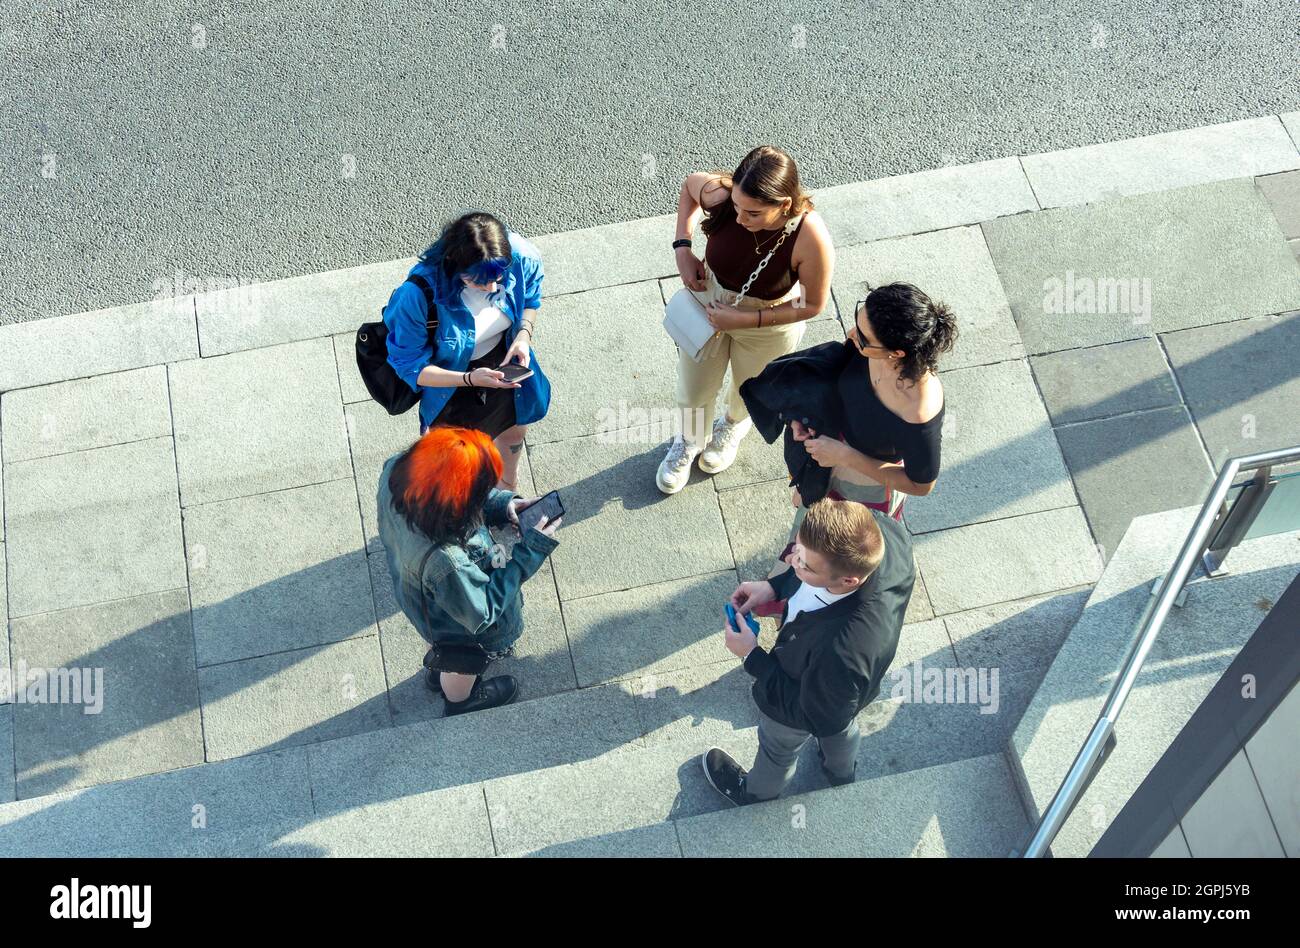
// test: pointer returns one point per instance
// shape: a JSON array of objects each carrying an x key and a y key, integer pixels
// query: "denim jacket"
[
  {"x": 454, "y": 593},
  {"x": 409, "y": 350}
]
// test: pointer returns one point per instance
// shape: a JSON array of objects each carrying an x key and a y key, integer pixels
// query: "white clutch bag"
[{"x": 688, "y": 324}]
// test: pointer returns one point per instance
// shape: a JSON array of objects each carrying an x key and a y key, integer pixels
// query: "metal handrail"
[{"x": 1101, "y": 738}]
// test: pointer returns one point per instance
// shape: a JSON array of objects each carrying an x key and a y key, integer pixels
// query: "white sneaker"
[
  {"x": 721, "y": 451},
  {"x": 675, "y": 469}
]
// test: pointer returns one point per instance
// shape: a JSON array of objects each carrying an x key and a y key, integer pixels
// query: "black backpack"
[{"x": 382, "y": 381}]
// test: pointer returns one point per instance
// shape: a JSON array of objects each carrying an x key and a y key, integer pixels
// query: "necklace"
[{"x": 758, "y": 248}]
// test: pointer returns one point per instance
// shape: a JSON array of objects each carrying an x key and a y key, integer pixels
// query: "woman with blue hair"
[{"x": 486, "y": 285}]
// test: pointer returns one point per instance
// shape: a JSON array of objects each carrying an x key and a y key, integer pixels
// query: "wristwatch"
[{"x": 682, "y": 242}]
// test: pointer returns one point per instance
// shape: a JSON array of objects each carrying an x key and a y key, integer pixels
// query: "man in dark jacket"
[{"x": 847, "y": 591}]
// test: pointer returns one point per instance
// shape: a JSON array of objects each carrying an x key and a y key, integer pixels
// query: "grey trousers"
[{"x": 778, "y": 751}]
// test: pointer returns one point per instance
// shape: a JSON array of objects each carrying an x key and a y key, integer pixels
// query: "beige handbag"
[{"x": 686, "y": 319}]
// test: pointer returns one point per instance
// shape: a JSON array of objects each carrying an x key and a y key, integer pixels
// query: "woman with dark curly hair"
[
  {"x": 892, "y": 402},
  {"x": 436, "y": 502}
]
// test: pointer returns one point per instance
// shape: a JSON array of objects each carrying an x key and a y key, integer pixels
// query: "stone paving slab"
[
  {"x": 620, "y": 790},
  {"x": 1173, "y": 847},
  {"x": 951, "y": 266},
  {"x": 449, "y": 823},
  {"x": 258, "y": 421},
  {"x": 968, "y": 808},
  {"x": 470, "y": 748},
  {"x": 648, "y": 629},
  {"x": 309, "y": 587},
  {"x": 1136, "y": 464},
  {"x": 375, "y": 436},
  {"x": 157, "y": 815},
  {"x": 305, "y": 307},
  {"x": 541, "y": 662},
  {"x": 758, "y": 520},
  {"x": 86, "y": 413},
  {"x": 907, "y": 728},
  {"x": 999, "y": 455},
  {"x": 140, "y": 655},
  {"x": 601, "y": 378},
  {"x": 351, "y": 387},
  {"x": 4, "y": 625},
  {"x": 1292, "y": 122},
  {"x": 1208, "y": 254},
  {"x": 608, "y": 255},
  {"x": 1282, "y": 192},
  {"x": 1087, "y": 384},
  {"x": 1271, "y": 750},
  {"x": 1003, "y": 560},
  {"x": 610, "y": 495},
  {"x": 928, "y": 200},
  {"x": 657, "y": 841},
  {"x": 1242, "y": 383},
  {"x": 1230, "y": 818},
  {"x": 1020, "y": 640},
  {"x": 7, "y": 777},
  {"x": 93, "y": 526},
  {"x": 292, "y": 698},
  {"x": 1160, "y": 162},
  {"x": 95, "y": 343}
]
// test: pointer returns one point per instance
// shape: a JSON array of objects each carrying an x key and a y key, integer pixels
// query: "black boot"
[
  {"x": 432, "y": 677},
  {"x": 486, "y": 693}
]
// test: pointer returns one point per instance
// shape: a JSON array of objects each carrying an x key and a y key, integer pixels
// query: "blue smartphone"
[{"x": 749, "y": 620}]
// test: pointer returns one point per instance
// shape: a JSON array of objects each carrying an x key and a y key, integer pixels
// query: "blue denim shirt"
[
  {"x": 454, "y": 593},
  {"x": 409, "y": 350}
]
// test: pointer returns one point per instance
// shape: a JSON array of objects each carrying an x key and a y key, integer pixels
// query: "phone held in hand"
[
  {"x": 548, "y": 507},
  {"x": 514, "y": 372},
  {"x": 749, "y": 620}
]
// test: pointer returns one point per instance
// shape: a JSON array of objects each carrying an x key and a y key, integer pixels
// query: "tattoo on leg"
[{"x": 514, "y": 448}]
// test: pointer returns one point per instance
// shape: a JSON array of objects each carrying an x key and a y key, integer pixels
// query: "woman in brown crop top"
[{"x": 745, "y": 216}]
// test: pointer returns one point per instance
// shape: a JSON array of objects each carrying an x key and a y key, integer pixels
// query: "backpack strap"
[{"x": 431, "y": 323}]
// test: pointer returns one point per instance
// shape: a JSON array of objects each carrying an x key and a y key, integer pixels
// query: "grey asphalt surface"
[{"x": 208, "y": 142}]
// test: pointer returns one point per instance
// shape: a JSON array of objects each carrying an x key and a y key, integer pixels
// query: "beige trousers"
[{"x": 747, "y": 351}]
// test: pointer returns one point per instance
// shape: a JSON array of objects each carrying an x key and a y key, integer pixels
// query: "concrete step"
[
  {"x": 599, "y": 770},
  {"x": 1193, "y": 649}
]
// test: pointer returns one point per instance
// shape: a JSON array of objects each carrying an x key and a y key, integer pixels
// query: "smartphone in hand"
[
  {"x": 514, "y": 372},
  {"x": 549, "y": 507}
]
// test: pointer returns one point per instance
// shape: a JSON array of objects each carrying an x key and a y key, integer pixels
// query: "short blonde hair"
[{"x": 846, "y": 533}]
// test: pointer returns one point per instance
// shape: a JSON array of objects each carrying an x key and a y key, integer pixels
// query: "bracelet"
[
  {"x": 760, "y": 317},
  {"x": 468, "y": 379},
  {"x": 682, "y": 242}
]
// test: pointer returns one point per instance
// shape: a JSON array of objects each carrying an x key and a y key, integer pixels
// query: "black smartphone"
[
  {"x": 514, "y": 372},
  {"x": 548, "y": 507}
]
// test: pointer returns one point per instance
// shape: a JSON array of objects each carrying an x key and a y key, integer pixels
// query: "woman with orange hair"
[{"x": 436, "y": 502}]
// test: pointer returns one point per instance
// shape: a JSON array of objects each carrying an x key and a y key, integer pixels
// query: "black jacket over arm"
[
  {"x": 800, "y": 386},
  {"x": 827, "y": 665}
]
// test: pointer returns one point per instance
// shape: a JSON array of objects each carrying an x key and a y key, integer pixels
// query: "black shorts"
[{"x": 487, "y": 409}]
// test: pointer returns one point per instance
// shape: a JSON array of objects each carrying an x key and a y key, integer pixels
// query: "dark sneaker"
[
  {"x": 834, "y": 780},
  {"x": 486, "y": 693},
  {"x": 726, "y": 776}
]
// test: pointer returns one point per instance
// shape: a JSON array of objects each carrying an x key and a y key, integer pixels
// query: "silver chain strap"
[{"x": 789, "y": 229}]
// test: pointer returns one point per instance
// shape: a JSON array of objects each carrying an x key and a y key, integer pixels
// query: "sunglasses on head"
[{"x": 488, "y": 271}]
